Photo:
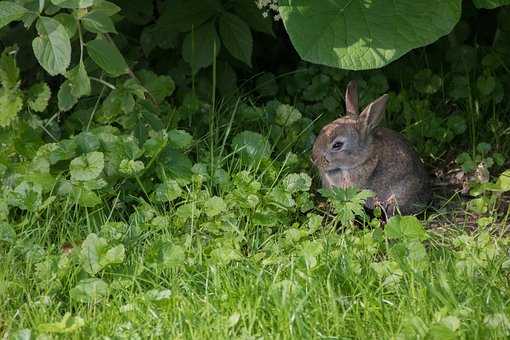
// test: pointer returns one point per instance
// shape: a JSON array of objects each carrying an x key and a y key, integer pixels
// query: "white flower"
[{"x": 268, "y": 7}]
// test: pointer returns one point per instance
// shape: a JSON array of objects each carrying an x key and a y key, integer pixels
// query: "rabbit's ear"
[
  {"x": 372, "y": 115},
  {"x": 351, "y": 98}
]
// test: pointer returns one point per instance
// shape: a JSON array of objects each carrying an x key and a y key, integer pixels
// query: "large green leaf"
[
  {"x": 236, "y": 37},
  {"x": 201, "y": 46},
  {"x": 357, "y": 35},
  {"x": 52, "y": 47},
  {"x": 490, "y": 3},
  {"x": 107, "y": 56},
  {"x": 10, "y": 11}
]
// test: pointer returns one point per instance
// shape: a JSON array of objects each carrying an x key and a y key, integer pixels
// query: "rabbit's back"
[{"x": 399, "y": 173}]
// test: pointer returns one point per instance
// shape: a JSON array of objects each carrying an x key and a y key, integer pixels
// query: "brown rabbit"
[{"x": 353, "y": 151}]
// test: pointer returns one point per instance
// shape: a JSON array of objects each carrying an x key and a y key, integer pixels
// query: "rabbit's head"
[{"x": 347, "y": 142}]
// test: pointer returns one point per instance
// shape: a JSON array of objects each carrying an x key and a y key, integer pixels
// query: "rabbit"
[{"x": 352, "y": 151}]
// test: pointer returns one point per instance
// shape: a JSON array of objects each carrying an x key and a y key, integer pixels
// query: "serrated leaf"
[
  {"x": 87, "y": 167},
  {"x": 159, "y": 87},
  {"x": 297, "y": 182},
  {"x": 179, "y": 139},
  {"x": 356, "y": 34},
  {"x": 106, "y": 55},
  {"x": 9, "y": 71},
  {"x": 236, "y": 37},
  {"x": 98, "y": 22},
  {"x": 11, "y": 104},
  {"x": 38, "y": 96},
  {"x": 89, "y": 291},
  {"x": 9, "y": 12},
  {"x": 201, "y": 46},
  {"x": 79, "y": 81},
  {"x": 52, "y": 47}
]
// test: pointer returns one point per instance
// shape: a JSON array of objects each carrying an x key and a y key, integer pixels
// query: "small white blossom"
[{"x": 269, "y": 7}]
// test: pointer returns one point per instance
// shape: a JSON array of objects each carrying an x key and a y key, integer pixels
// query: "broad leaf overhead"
[{"x": 356, "y": 35}]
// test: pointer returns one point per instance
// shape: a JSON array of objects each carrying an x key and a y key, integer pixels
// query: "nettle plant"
[{"x": 58, "y": 24}]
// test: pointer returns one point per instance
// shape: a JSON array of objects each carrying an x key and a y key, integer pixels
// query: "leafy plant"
[
  {"x": 347, "y": 203},
  {"x": 364, "y": 35}
]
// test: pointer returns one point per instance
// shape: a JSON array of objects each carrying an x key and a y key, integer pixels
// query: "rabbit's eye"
[{"x": 337, "y": 145}]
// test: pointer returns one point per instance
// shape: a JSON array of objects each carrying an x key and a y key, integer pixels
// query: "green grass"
[{"x": 322, "y": 285}]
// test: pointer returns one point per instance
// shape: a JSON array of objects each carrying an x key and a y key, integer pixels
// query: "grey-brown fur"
[{"x": 353, "y": 151}]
